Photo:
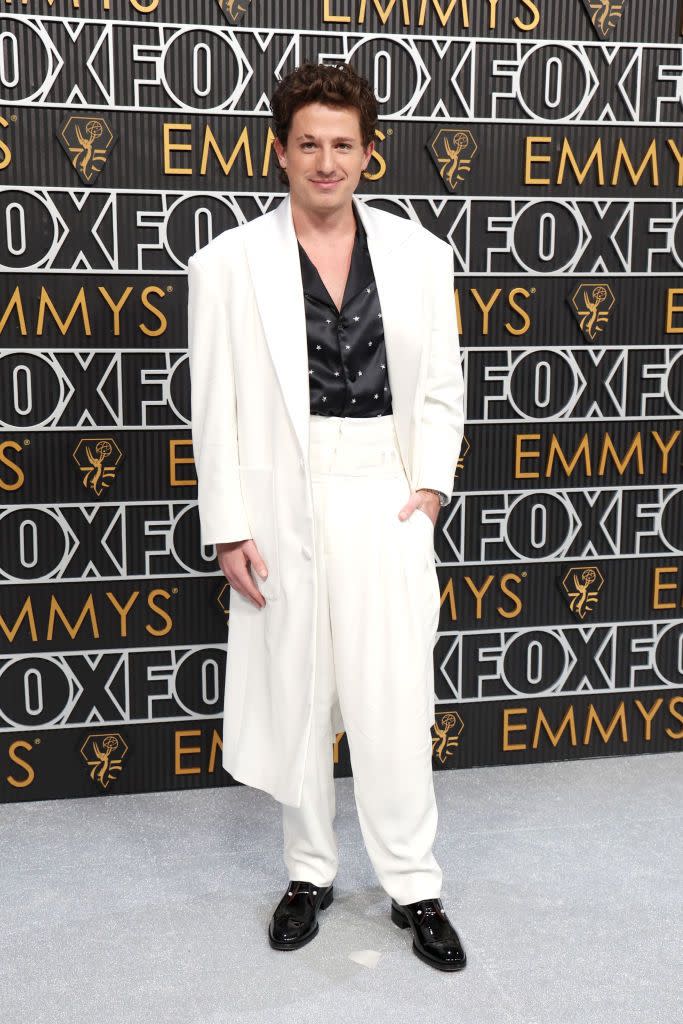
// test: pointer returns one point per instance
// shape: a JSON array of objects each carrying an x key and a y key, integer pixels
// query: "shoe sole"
[
  {"x": 398, "y": 918},
  {"x": 298, "y": 943}
]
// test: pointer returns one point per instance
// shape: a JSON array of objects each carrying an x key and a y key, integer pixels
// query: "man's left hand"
[{"x": 428, "y": 502}]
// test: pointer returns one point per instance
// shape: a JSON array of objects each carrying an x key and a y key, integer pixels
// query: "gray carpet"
[{"x": 563, "y": 880}]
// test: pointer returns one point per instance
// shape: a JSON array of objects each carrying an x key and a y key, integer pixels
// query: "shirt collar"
[{"x": 360, "y": 271}]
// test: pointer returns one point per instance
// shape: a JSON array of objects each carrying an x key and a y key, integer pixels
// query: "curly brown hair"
[{"x": 336, "y": 85}]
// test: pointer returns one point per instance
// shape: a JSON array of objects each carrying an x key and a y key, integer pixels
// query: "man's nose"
[{"x": 326, "y": 161}]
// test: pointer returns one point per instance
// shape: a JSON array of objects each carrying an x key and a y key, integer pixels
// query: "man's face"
[{"x": 324, "y": 157}]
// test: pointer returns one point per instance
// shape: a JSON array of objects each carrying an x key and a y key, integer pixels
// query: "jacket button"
[{"x": 306, "y": 551}]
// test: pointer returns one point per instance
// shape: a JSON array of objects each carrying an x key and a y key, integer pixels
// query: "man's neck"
[{"x": 329, "y": 227}]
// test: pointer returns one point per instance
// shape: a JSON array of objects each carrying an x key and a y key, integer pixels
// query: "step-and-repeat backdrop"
[{"x": 542, "y": 139}]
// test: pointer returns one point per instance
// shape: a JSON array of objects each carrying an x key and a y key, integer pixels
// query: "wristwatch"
[{"x": 443, "y": 499}]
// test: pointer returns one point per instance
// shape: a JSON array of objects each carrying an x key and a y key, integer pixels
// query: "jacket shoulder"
[
  {"x": 404, "y": 228},
  {"x": 222, "y": 245}
]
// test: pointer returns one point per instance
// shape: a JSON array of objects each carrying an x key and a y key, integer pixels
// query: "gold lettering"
[
  {"x": 658, "y": 585},
  {"x": 672, "y": 308},
  {"x": 329, "y": 17},
  {"x": 161, "y": 612},
  {"x": 153, "y": 289},
  {"x": 442, "y": 15},
  {"x": 175, "y": 444},
  {"x": 14, "y": 303},
  {"x": 115, "y": 307},
  {"x": 648, "y": 716},
  {"x": 383, "y": 11},
  {"x": 485, "y": 307},
  {"x": 123, "y": 609},
  {"x": 665, "y": 448},
  {"x": 555, "y": 451},
  {"x": 510, "y": 726},
  {"x": 19, "y": 475},
  {"x": 211, "y": 144},
  {"x": 182, "y": 751},
  {"x": 521, "y": 453},
  {"x": 608, "y": 448},
  {"x": 172, "y": 147},
  {"x": 512, "y": 612},
  {"x": 673, "y": 708},
  {"x": 528, "y": 26},
  {"x": 479, "y": 592},
  {"x": 526, "y": 319},
  {"x": 531, "y": 158},
  {"x": 635, "y": 176},
  {"x": 30, "y": 775},
  {"x": 25, "y": 613},
  {"x": 56, "y": 612},
  {"x": 567, "y": 156},
  {"x": 618, "y": 717},
  {"x": 554, "y": 737}
]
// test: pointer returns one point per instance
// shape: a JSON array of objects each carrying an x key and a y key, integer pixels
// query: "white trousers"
[{"x": 378, "y": 610}]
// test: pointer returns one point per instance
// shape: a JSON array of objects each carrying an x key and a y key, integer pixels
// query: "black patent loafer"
[
  {"x": 435, "y": 940},
  {"x": 295, "y": 921}
]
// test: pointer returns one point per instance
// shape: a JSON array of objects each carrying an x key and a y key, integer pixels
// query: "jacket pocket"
[{"x": 258, "y": 492}]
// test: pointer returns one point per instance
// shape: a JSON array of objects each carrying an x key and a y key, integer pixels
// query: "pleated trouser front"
[{"x": 378, "y": 609}]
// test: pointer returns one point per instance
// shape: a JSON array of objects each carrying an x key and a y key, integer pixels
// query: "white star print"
[
  {"x": 328, "y": 321},
  {"x": 360, "y": 373},
  {"x": 369, "y": 343},
  {"x": 379, "y": 314},
  {"x": 383, "y": 366},
  {"x": 356, "y": 318},
  {"x": 324, "y": 398},
  {"x": 376, "y": 396},
  {"x": 347, "y": 346},
  {"x": 336, "y": 373},
  {"x": 310, "y": 371},
  {"x": 353, "y": 399},
  {"x": 318, "y": 346},
  {"x": 368, "y": 290}
]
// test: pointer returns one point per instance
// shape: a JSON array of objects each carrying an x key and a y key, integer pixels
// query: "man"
[{"x": 327, "y": 419}]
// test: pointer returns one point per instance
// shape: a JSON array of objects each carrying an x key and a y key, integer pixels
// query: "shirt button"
[{"x": 306, "y": 551}]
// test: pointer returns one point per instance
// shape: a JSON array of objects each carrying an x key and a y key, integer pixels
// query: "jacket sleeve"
[
  {"x": 443, "y": 412},
  {"x": 222, "y": 515}
]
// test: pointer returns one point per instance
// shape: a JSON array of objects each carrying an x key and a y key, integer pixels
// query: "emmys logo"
[
  {"x": 97, "y": 459},
  {"x": 464, "y": 449},
  {"x": 582, "y": 584},
  {"x": 592, "y": 305},
  {"x": 448, "y": 727},
  {"x": 87, "y": 141},
  {"x": 223, "y": 599},
  {"x": 604, "y": 14},
  {"x": 452, "y": 150},
  {"x": 104, "y": 754},
  {"x": 233, "y": 9}
]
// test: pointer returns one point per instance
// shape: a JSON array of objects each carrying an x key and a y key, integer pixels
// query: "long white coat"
[{"x": 250, "y": 416}]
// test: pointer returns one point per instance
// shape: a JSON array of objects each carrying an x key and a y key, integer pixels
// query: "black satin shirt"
[{"x": 347, "y": 363}]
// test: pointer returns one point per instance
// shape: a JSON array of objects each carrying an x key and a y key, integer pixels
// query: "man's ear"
[{"x": 369, "y": 151}]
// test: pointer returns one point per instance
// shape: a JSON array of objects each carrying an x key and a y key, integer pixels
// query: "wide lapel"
[
  {"x": 273, "y": 257},
  {"x": 402, "y": 302}
]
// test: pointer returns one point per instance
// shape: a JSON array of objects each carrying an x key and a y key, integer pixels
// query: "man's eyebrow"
[{"x": 340, "y": 138}]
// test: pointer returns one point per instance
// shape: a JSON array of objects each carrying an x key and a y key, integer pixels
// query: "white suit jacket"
[{"x": 250, "y": 417}]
